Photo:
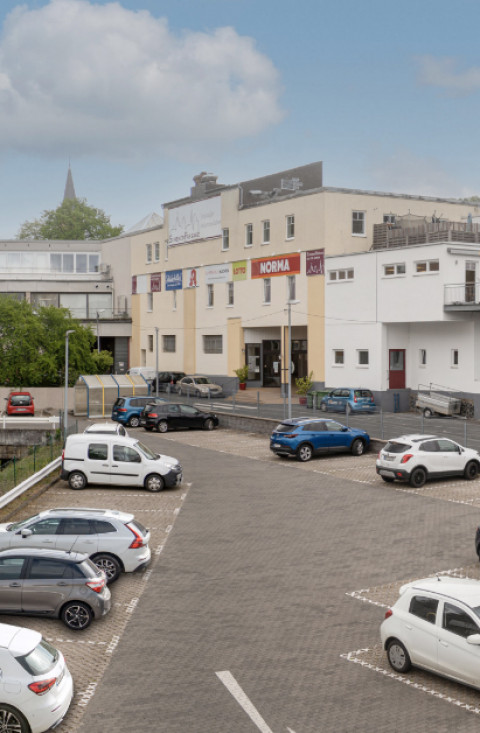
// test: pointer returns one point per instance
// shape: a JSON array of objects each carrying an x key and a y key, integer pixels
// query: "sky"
[{"x": 140, "y": 96}]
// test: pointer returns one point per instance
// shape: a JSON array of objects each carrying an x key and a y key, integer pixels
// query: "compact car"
[
  {"x": 20, "y": 403},
  {"x": 127, "y": 410},
  {"x": 115, "y": 541},
  {"x": 348, "y": 400},
  {"x": 172, "y": 416},
  {"x": 37, "y": 687},
  {"x": 65, "y": 585},
  {"x": 417, "y": 458},
  {"x": 303, "y": 438},
  {"x": 435, "y": 625},
  {"x": 198, "y": 386},
  {"x": 166, "y": 381}
]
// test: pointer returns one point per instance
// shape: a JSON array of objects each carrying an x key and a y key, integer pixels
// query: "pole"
[
  {"x": 65, "y": 400},
  {"x": 156, "y": 361},
  {"x": 289, "y": 359},
  {"x": 98, "y": 334}
]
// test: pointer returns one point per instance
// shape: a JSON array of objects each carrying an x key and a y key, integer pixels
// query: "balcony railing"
[
  {"x": 386, "y": 236},
  {"x": 463, "y": 297}
]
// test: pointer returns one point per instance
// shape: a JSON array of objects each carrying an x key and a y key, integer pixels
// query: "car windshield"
[
  {"x": 39, "y": 661},
  {"x": 393, "y": 447},
  {"x": 202, "y": 380},
  {"x": 146, "y": 451},
  {"x": 16, "y": 525}
]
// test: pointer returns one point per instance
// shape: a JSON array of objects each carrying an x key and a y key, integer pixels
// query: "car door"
[
  {"x": 456, "y": 657},
  {"x": 42, "y": 533},
  {"x": 190, "y": 417},
  {"x": 317, "y": 434},
  {"x": 127, "y": 468},
  {"x": 11, "y": 582},
  {"x": 451, "y": 459},
  {"x": 338, "y": 437},
  {"x": 98, "y": 463},
  {"x": 335, "y": 401},
  {"x": 174, "y": 417},
  {"x": 77, "y": 534},
  {"x": 47, "y": 583},
  {"x": 421, "y": 630}
]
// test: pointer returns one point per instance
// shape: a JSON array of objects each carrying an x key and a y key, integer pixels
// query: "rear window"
[
  {"x": 139, "y": 527},
  {"x": 119, "y": 402},
  {"x": 86, "y": 569},
  {"x": 365, "y": 393},
  {"x": 285, "y": 428},
  {"x": 20, "y": 400},
  {"x": 39, "y": 661},
  {"x": 100, "y": 527},
  {"x": 393, "y": 447}
]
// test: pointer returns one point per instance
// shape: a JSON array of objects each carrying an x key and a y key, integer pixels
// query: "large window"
[
  {"x": 290, "y": 227},
  {"x": 48, "y": 262},
  {"x": 358, "y": 223},
  {"x": 267, "y": 290},
  {"x": 213, "y": 344},
  {"x": 169, "y": 343}
]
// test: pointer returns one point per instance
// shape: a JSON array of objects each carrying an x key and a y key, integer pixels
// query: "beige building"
[{"x": 213, "y": 287}]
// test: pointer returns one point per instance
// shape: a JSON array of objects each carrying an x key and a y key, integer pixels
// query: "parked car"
[
  {"x": 20, "y": 403},
  {"x": 435, "y": 625},
  {"x": 171, "y": 416},
  {"x": 166, "y": 381},
  {"x": 65, "y": 585},
  {"x": 127, "y": 410},
  {"x": 348, "y": 400},
  {"x": 37, "y": 687},
  {"x": 198, "y": 386},
  {"x": 417, "y": 458},
  {"x": 115, "y": 541},
  {"x": 118, "y": 461},
  {"x": 303, "y": 438},
  {"x": 106, "y": 428}
]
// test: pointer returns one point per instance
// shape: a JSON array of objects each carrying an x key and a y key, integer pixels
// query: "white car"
[
  {"x": 37, "y": 687},
  {"x": 198, "y": 386},
  {"x": 416, "y": 458},
  {"x": 106, "y": 428},
  {"x": 435, "y": 624},
  {"x": 115, "y": 541}
]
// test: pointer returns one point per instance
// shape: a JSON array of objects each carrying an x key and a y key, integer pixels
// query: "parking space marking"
[{"x": 236, "y": 691}]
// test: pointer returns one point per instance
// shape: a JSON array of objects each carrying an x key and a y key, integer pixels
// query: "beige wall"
[
  {"x": 316, "y": 327},
  {"x": 235, "y": 345}
]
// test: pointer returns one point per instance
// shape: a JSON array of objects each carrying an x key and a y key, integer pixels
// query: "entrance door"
[
  {"x": 396, "y": 371},
  {"x": 470, "y": 272},
  {"x": 271, "y": 363}
]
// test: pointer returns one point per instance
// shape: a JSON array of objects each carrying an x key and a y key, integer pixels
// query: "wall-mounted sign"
[
  {"x": 134, "y": 284},
  {"x": 315, "y": 262},
  {"x": 139, "y": 284},
  {"x": 173, "y": 280},
  {"x": 191, "y": 277},
  {"x": 200, "y": 220},
  {"x": 155, "y": 282},
  {"x": 239, "y": 270},
  {"x": 217, "y": 273},
  {"x": 274, "y": 266}
]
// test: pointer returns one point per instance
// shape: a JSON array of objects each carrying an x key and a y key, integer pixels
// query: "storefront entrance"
[{"x": 271, "y": 363}]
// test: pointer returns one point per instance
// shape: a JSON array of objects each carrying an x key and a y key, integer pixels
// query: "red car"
[{"x": 20, "y": 403}]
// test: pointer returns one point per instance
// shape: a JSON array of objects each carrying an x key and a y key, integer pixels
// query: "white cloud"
[
  {"x": 77, "y": 77},
  {"x": 443, "y": 72}
]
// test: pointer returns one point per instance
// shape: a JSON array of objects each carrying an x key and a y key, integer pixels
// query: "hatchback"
[
  {"x": 416, "y": 458},
  {"x": 435, "y": 624},
  {"x": 197, "y": 386},
  {"x": 127, "y": 410},
  {"x": 65, "y": 585},
  {"x": 20, "y": 403},
  {"x": 37, "y": 686},
  {"x": 171, "y": 416},
  {"x": 348, "y": 400},
  {"x": 303, "y": 438},
  {"x": 114, "y": 541}
]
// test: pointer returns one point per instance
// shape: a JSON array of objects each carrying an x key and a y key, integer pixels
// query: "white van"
[
  {"x": 146, "y": 372},
  {"x": 115, "y": 460}
]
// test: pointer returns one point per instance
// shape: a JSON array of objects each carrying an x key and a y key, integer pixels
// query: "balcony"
[
  {"x": 407, "y": 233},
  {"x": 464, "y": 297}
]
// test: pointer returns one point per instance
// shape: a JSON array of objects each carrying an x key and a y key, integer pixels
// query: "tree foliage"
[
  {"x": 73, "y": 219},
  {"x": 32, "y": 346}
]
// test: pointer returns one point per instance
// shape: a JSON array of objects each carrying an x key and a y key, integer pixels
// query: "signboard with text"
[
  {"x": 217, "y": 274},
  {"x": 156, "y": 282},
  {"x": 239, "y": 270},
  {"x": 173, "y": 280},
  {"x": 199, "y": 220},
  {"x": 315, "y": 262},
  {"x": 275, "y": 266}
]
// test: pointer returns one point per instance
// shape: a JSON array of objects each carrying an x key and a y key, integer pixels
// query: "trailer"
[{"x": 436, "y": 403}]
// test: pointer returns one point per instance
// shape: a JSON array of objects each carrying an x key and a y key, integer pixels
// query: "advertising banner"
[
  {"x": 315, "y": 262},
  {"x": 217, "y": 273},
  {"x": 139, "y": 284},
  {"x": 155, "y": 282},
  {"x": 173, "y": 280},
  {"x": 239, "y": 270},
  {"x": 200, "y": 220},
  {"x": 192, "y": 277},
  {"x": 274, "y": 266}
]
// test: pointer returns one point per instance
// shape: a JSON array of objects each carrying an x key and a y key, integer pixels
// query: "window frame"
[
  {"x": 212, "y": 343},
  {"x": 359, "y": 217},
  {"x": 169, "y": 339},
  {"x": 396, "y": 272},
  {"x": 428, "y": 267},
  {"x": 210, "y": 295},
  {"x": 225, "y": 239},
  {"x": 249, "y": 235},
  {"x": 267, "y": 290},
  {"x": 290, "y": 226}
]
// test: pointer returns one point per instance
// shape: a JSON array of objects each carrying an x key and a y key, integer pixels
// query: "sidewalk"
[{"x": 262, "y": 395}]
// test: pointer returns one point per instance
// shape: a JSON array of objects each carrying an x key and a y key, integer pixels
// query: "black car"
[
  {"x": 171, "y": 415},
  {"x": 166, "y": 380}
]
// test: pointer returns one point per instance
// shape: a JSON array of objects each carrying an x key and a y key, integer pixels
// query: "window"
[
  {"x": 149, "y": 302},
  {"x": 150, "y": 342},
  {"x": 46, "y": 526},
  {"x": 267, "y": 290},
  {"x": 427, "y": 266},
  {"x": 336, "y": 275},
  {"x": 230, "y": 294},
  {"x": 82, "y": 263},
  {"x": 11, "y": 568},
  {"x": 213, "y": 345},
  {"x": 47, "y": 569},
  {"x": 457, "y": 621},
  {"x": 422, "y": 357},
  {"x": 126, "y": 454},
  {"x": 248, "y": 235},
  {"x": 424, "y": 607},
  {"x": 210, "y": 299},
  {"x": 149, "y": 252},
  {"x": 290, "y": 227},
  {"x": 225, "y": 239},
  {"x": 455, "y": 359},
  {"x": 157, "y": 251},
  {"x": 291, "y": 287},
  {"x": 392, "y": 270},
  {"x": 174, "y": 300},
  {"x": 362, "y": 357},
  {"x": 98, "y": 451},
  {"x": 169, "y": 344},
  {"x": 266, "y": 232},
  {"x": 76, "y": 526},
  {"x": 358, "y": 223},
  {"x": 389, "y": 219},
  {"x": 338, "y": 357}
]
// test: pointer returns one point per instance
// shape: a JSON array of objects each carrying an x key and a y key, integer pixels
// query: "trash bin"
[{"x": 310, "y": 396}]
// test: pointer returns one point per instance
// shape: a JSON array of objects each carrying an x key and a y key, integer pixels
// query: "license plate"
[
  {"x": 277, "y": 445},
  {"x": 388, "y": 458},
  {"x": 386, "y": 473}
]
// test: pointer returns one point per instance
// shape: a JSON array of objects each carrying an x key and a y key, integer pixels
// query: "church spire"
[{"x": 69, "y": 187}]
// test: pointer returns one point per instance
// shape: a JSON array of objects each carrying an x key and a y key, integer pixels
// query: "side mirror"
[
  {"x": 344, "y": 429},
  {"x": 474, "y": 639},
  {"x": 26, "y": 532}
]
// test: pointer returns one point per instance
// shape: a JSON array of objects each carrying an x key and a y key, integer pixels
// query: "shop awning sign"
[{"x": 275, "y": 266}]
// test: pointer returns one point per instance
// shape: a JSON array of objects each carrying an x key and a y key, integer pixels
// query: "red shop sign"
[{"x": 274, "y": 266}]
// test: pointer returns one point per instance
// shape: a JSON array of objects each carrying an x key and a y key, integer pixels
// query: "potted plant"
[
  {"x": 242, "y": 374},
  {"x": 304, "y": 385}
]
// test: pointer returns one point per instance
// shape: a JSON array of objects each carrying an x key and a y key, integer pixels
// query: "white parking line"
[{"x": 236, "y": 691}]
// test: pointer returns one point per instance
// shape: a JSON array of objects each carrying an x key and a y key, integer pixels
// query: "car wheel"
[
  {"x": 304, "y": 452},
  {"x": 323, "y": 407},
  {"x": 418, "y": 478},
  {"x": 110, "y": 566},
  {"x": 197, "y": 393},
  {"x": 77, "y": 480},
  {"x": 134, "y": 421},
  {"x": 154, "y": 482},
  {"x": 398, "y": 656},
  {"x": 388, "y": 479},
  {"x": 12, "y": 720},
  {"x": 471, "y": 470},
  {"x": 208, "y": 424},
  {"x": 162, "y": 426},
  {"x": 427, "y": 412},
  {"x": 358, "y": 447},
  {"x": 76, "y": 615}
]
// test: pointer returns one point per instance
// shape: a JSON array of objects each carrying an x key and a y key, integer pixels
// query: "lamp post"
[
  {"x": 98, "y": 331},
  {"x": 156, "y": 361},
  {"x": 65, "y": 401}
]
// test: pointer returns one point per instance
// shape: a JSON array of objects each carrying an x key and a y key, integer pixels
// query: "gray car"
[{"x": 65, "y": 585}]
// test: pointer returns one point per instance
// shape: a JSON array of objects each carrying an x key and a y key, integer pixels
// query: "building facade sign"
[
  {"x": 217, "y": 274},
  {"x": 200, "y": 220},
  {"x": 191, "y": 277},
  {"x": 139, "y": 284},
  {"x": 239, "y": 270},
  {"x": 315, "y": 262},
  {"x": 274, "y": 266},
  {"x": 173, "y": 280},
  {"x": 156, "y": 282}
]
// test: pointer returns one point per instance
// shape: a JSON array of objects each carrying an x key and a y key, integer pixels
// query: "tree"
[{"x": 73, "y": 219}]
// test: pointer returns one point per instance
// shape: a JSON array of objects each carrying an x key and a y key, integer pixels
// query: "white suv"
[
  {"x": 416, "y": 458},
  {"x": 115, "y": 541}
]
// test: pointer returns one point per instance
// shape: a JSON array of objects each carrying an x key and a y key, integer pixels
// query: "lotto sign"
[
  {"x": 274, "y": 266},
  {"x": 239, "y": 270}
]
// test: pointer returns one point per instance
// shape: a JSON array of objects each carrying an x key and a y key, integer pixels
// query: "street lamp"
[
  {"x": 98, "y": 332},
  {"x": 65, "y": 401}
]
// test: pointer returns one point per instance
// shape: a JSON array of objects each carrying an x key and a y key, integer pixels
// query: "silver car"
[{"x": 198, "y": 386}]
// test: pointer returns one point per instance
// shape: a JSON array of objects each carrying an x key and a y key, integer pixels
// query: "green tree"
[{"x": 73, "y": 219}]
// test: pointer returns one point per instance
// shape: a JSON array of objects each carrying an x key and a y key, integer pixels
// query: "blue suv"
[
  {"x": 127, "y": 410},
  {"x": 303, "y": 438},
  {"x": 348, "y": 400}
]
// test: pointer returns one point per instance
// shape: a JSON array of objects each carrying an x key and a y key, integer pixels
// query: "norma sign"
[
  {"x": 173, "y": 280},
  {"x": 315, "y": 262},
  {"x": 155, "y": 282},
  {"x": 274, "y": 266}
]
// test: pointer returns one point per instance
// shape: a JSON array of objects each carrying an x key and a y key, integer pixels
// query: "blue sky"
[{"x": 141, "y": 96}]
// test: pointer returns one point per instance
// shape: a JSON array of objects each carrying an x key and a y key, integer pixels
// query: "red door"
[{"x": 396, "y": 370}]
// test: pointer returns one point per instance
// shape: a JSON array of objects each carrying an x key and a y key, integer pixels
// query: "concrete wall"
[{"x": 48, "y": 400}]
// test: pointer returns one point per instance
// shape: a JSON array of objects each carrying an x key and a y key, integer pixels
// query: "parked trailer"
[{"x": 437, "y": 403}]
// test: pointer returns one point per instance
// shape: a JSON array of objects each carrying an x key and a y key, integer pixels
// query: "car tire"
[
  {"x": 471, "y": 470},
  {"x": 208, "y": 424},
  {"x": 109, "y": 564},
  {"x": 77, "y": 480},
  {"x": 76, "y": 615},
  {"x": 387, "y": 479},
  {"x": 398, "y": 657},
  {"x": 304, "y": 452},
  {"x": 324, "y": 407},
  {"x": 134, "y": 421},
  {"x": 358, "y": 447},
  {"x": 162, "y": 426},
  {"x": 427, "y": 412},
  {"x": 154, "y": 483},
  {"x": 12, "y": 720},
  {"x": 417, "y": 478}
]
